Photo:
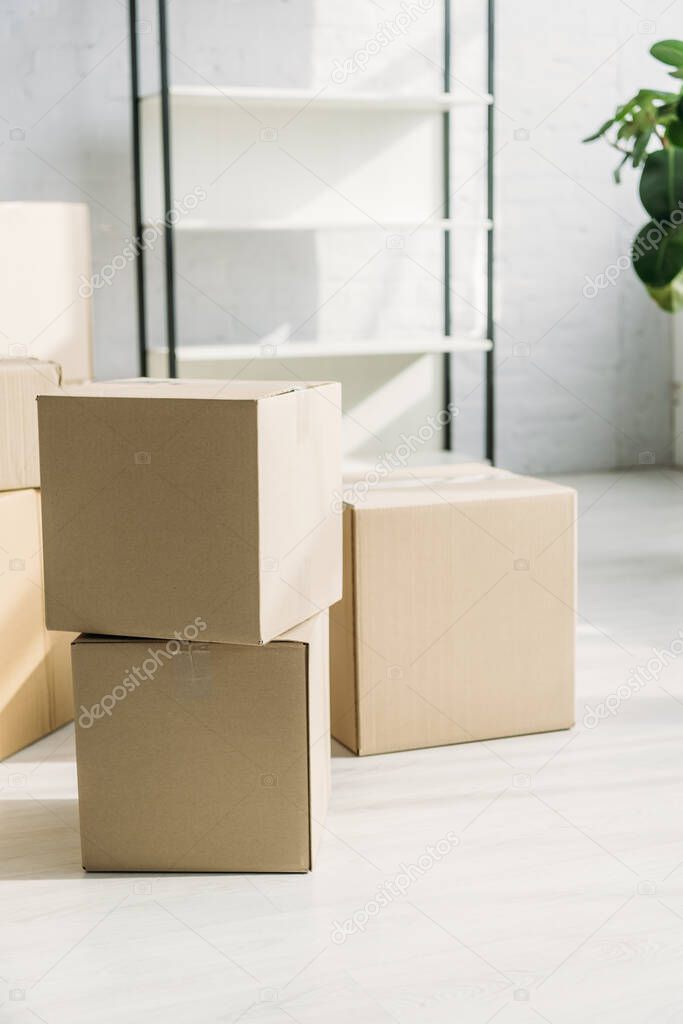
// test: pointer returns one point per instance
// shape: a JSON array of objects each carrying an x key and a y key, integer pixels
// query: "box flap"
[
  {"x": 301, "y": 633},
  {"x": 99, "y": 638},
  {"x": 227, "y": 390},
  {"x": 13, "y": 363},
  {"x": 433, "y": 485}
]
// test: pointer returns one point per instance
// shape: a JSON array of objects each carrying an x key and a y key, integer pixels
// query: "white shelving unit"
[
  {"x": 198, "y": 224},
  {"x": 289, "y": 160},
  {"x": 233, "y": 159},
  {"x": 327, "y": 98},
  {"x": 198, "y": 360}
]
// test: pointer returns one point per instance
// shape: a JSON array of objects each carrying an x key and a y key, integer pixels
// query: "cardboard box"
[
  {"x": 202, "y": 757},
  {"x": 165, "y": 500},
  {"x": 46, "y": 285},
  {"x": 21, "y": 380},
  {"x": 35, "y": 680},
  {"x": 457, "y": 621}
]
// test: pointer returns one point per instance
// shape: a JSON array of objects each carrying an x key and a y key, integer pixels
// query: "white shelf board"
[
  {"x": 329, "y": 99},
  {"x": 197, "y": 225},
  {"x": 321, "y": 350}
]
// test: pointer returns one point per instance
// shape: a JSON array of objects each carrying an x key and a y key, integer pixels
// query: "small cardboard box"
[
  {"x": 35, "y": 678},
  {"x": 46, "y": 284},
  {"x": 457, "y": 621},
  {"x": 202, "y": 757},
  {"x": 21, "y": 380},
  {"x": 165, "y": 500}
]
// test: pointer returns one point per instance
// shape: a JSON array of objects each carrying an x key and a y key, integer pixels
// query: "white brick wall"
[{"x": 581, "y": 383}]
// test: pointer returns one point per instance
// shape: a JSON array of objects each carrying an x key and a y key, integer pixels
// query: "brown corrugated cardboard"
[
  {"x": 46, "y": 284},
  {"x": 21, "y": 380},
  {"x": 457, "y": 621},
  {"x": 202, "y": 757},
  {"x": 168, "y": 500},
  {"x": 35, "y": 680}
]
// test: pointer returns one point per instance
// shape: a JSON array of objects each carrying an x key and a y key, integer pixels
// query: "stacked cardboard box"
[
  {"x": 45, "y": 284},
  {"x": 190, "y": 533},
  {"x": 457, "y": 620},
  {"x": 35, "y": 683}
]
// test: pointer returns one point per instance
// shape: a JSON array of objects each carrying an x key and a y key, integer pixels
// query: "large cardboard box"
[
  {"x": 35, "y": 677},
  {"x": 457, "y": 621},
  {"x": 202, "y": 757},
  {"x": 21, "y": 380},
  {"x": 46, "y": 285},
  {"x": 165, "y": 500}
]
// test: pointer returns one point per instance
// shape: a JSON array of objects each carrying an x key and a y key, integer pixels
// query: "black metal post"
[
  {"x": 446, "y": 145},
  {"x": 490, "y": 213},
  {"x": 137, "y": 188},
  {"x": 168, "y": 195}
]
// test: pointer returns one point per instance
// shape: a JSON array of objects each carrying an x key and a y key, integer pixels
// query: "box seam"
[
  {"x": 307, "y": 656},
  {"x": 561, "y": 492},
  {"x": 257, "y": 426},
  {"x": 355, "y": 625},
  {"x": 46, "y": 639}
]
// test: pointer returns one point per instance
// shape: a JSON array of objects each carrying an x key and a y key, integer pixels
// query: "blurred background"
[{"x": 584, "y": 374}]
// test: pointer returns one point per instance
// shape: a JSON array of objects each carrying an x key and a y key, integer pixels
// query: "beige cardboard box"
[
  {"x": 457, "y": 621},
  {"x": 35, "y": 678},
  {"x": 202, "y": 757},
  {"x": 165, "y": 500},
  {"x": 45, "y": 284},
  {"x": 21, "y": 380}
]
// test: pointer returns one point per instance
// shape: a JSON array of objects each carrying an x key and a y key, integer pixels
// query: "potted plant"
[{"x": 648, "y": 131}]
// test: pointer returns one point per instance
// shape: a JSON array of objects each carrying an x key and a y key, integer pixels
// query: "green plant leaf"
[
  {"x": 647, "y": 95},
  {"x": 601, "y": 131},
  {"x": 616, "y": 173},
  {"x": 626, "y": 108},
  {"x": 668, "y": 51},
  {"x": 627, "y": 130},
  {"x": 670, "y": 297},
  {"x": 661, "y": 184},
  {"x": 658, "y": 255},
  {"x": 674, "y": 133},
  {"x": 641, "y": 146}
]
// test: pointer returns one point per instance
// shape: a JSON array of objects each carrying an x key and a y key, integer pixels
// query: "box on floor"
[
  {"x": 45, "y": 284},
  {"x": 35, "y": 681},
  {"x": 165, "y": 500},
  {"x": 457, "y": 620},
  {"x": 21, "y": 381},
  {"x": 202, "y": 757}
]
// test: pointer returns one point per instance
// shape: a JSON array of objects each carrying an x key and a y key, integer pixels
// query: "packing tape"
[{"x": 192, "y": 670}]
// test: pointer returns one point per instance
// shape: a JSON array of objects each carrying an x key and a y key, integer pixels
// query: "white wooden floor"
[{"x": 561, "y": 899}]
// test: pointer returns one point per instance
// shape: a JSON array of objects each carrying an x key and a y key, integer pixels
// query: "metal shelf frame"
[{"x": 169, "y": 241}]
